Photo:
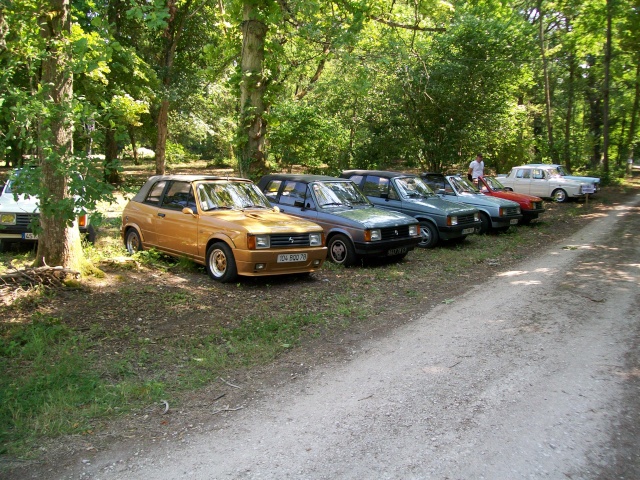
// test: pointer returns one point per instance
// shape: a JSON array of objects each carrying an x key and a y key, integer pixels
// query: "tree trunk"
[
  {"x": 59, "y": 243},
  {"x": 547, "y": 88},
  {"x": 161, "y": 142},
  {"x": 569, "y": 117},
  {"x": 252, "y": 90},
  {"x": 134, "y": 147},
  {"x": 605, "y": 93},
  {"x": 595, "y": 112},
  {"x": 111, "y": 174},
  {"x": 172, "y": 33},
  {"x": 630, "y": 143}
]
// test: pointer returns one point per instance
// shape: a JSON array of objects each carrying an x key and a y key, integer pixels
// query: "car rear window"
[
  {"x": 155, "y": 193},
  {"x": 293, "y": 192},
  {"x": 271, "y": 190}
]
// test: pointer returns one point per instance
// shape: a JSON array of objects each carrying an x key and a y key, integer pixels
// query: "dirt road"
[{"x": 535, "y": 373}]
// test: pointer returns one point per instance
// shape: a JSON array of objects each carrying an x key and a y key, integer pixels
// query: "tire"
[
  {"x": 559, "y": 195},
  {"x": 341, "y": 250},
  {"x": 132, "y": 241},
  {"x": 429, "y": 234},
  {"x": 220, "y": 264},
  {"x": 91, "y": 234},
  {"x": 486, "y": 223}
]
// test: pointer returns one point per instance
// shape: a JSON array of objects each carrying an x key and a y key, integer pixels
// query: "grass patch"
[{"x": 51, "y": 386}]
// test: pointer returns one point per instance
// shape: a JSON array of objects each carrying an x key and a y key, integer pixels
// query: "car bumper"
[
  {"x": 265, "y": 262},
  {"x": 501, "y": 222},
  {"x": 532, "y": 214},
  {"x": 458, "y": 231},
  {"x": 387, "y": 248}
]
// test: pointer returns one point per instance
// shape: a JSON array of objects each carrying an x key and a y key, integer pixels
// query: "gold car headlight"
[
  {"x": 7, "y": 218},
  {"x": 256, "y": 242},
  {"x": 315, "y": 239}
]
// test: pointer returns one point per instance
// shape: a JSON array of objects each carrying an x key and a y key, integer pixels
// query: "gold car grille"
[{"x": 283, "y": 240}]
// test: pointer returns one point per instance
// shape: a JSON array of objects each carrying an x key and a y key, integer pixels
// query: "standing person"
[{"x": 476, "y": 169}]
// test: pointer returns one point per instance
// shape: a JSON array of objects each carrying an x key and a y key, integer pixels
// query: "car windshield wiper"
[
  {"x": 334, "y": 204},
  {"x": 255, "y": 206},
  {"x": 222, "y": 207}
]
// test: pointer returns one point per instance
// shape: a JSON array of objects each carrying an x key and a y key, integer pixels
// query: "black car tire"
[
  {"x": 559, "y": 195},
  {"x": 220, "y": 264},
  {"x": 429, "y": 234},
  {"x": 341, "y": 250},
  {"x": 486, "y": 223},
  {"x": 91, "y": 234},
  {"x": 132, "y": 241}
]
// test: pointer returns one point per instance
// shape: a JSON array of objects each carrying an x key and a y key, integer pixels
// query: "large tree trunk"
[
  {"x": 172, "y": 33},
  {"x": 634, "y": 113},
  {"x": 59, "y": 244},
  {"x": 547, "y": 88},
  {"x": 595, "y": 112},
  {"x": 252, "y": 90},
  {"x": 569, "y": 117},
  {"x": 605, "y": 93}
]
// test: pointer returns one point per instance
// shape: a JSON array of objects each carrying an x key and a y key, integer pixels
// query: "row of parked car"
[{"x": 291, "y": 223}]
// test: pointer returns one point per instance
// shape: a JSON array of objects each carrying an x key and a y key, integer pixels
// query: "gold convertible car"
[{"x": 223, "y": 223}]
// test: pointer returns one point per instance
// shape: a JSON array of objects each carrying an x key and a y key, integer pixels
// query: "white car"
[
  {"x": 561, "y": 170},
  {"x": 19, "y": 214},
  {"x": 544, "y": 181}
]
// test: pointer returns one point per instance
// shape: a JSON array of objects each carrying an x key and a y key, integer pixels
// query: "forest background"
[{"x": 264, "y": 85}]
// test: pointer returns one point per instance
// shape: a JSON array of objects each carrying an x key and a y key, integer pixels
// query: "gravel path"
[{"x": 533, "y": 374}]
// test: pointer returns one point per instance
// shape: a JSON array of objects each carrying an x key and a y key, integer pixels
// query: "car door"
[
  {"x": 522, "y": 180},
  {"x": 539, "y": 183},
  {"x": 381, "y": 193},
  {"x": 144, "y": 214},
  {"x": 177, "y": 232}
]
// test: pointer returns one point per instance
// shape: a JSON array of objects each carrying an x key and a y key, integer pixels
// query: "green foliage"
[{"x": 50, "y": 385}]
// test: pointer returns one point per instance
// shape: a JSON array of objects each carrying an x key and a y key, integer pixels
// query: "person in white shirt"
[{"x": 476, "y": 169}]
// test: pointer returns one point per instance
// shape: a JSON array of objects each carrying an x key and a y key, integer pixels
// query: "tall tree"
[
  {"x": 252, "y": 88},
  {"x": 59, "y": 243}
]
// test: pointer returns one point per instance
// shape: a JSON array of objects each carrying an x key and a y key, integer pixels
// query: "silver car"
[
  {"x": 495, "y": 213},
  {"x": 545, "y": 181}
]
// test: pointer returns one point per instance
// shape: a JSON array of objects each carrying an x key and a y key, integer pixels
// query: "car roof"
[
  {"x": 144, "y": 190},
  {"x": 194, "y": 177},
  {"x": 300, "y": 177},
  {"x": 379, "y": 173}
]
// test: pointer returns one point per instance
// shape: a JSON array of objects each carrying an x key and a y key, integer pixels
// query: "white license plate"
[
  {"x": 513, "y": 221},
  {"x": 467, "y": 231},
  {"x": 397, "y": 251},
  {"x": 292, "y": 257},
  {"x": 29, "y": 236}
]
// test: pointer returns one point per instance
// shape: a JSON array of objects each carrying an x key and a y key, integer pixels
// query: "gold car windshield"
[{"x": 230, "y": 196}]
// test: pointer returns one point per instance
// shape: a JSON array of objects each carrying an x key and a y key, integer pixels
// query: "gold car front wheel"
[
  {"x": 221, "y": 266},
  {"x": 133, "y": 242}
]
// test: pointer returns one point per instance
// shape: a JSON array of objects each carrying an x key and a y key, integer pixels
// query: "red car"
[{"x": 530, "y": 206}]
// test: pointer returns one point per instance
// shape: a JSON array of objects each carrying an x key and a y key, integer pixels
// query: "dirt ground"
[{"x": 135, "y": 299}]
